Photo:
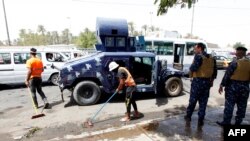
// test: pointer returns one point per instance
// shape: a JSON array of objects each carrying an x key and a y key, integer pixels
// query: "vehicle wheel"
[
  {"x": 86, "y": 93},
  {"x": 173, "y": 86},
  {"x": 54, "y": 79}
]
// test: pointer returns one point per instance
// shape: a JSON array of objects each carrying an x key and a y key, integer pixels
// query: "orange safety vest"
[
  {"x": 36, "y": 66},
  {"x": 129, "y": 81}
]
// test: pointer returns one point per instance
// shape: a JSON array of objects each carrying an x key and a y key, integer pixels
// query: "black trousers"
[
  {"x": 36, "y": 85},
  {"x": 130, "y": 99}
]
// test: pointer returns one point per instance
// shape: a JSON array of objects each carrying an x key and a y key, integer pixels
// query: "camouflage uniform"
[
  {"x": 236, "y": 92},
  {"x": 200, "y": 87}
]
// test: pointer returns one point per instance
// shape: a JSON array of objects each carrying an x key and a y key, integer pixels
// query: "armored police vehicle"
[{"x": 89, "y": 77}]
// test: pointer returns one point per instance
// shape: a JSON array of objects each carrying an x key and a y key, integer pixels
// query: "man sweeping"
[
  {"x": 127, "y": 81},
  {"x": 33, "y": 79}
]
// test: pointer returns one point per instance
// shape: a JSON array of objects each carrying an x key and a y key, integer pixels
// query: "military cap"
[{"x": 241, "y": 48}]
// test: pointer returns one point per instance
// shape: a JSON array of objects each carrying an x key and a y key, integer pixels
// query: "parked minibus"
[
  {"x": 178, "y": 52},
  {"x": 13, "y": 64}
]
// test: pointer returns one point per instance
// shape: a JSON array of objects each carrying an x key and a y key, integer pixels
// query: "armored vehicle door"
[
  {"x": 141, "y": 69},
  {"x": 156, "y": 75},
  {"x": 111, "y": 77}
]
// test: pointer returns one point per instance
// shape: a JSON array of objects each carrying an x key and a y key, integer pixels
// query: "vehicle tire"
[
  {"x": 54, "y": 79},
  {"x": 86, "y": 93},
  {"x": 173, "y": 86}
]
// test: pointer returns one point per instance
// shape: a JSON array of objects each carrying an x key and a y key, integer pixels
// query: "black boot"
[
  {"x": 46, "y": 103},
  {"x": 222, "y": 123},
  {"x": 238, "y": 121},
  {"x": 187, "y": 118},
  {"x": 200, "y": 122}
]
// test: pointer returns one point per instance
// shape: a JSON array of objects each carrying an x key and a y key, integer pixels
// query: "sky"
[{"x": 221, "y": 22}]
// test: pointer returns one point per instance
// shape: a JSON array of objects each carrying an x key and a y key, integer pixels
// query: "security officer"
[
  {"x": 236, "y": 83},
  {"x": 203, "y": 71},
  {"x": 127, "y": 81},
  {"x": 33, "y": 79}
]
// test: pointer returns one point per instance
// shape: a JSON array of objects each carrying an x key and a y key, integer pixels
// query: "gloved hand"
[{"x": 116, "y": 91}]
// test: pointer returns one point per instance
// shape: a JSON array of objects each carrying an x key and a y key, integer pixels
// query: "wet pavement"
[{"x": 172, "y": 128}]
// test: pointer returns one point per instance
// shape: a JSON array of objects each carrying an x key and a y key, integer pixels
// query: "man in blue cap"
[{"x": 236, "y": 83}]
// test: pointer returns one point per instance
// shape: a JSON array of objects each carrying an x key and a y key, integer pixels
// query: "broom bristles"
[{"x": 37, "y": 116}]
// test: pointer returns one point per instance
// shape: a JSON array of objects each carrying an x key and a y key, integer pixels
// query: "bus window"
[
  {"x": 168, "y": 46},
  {"x": 158, "y": 46},
  {"x": 5, "y": 58},
  {"x": 21, "y": 58},
  {"x": 164, "y": 48},
  {"x": 149, "y": 46}
]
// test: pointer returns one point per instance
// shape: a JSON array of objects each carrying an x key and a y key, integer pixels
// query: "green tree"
[
  {"x": 49, "y": 39},
  {"x": 164, "y": 5},
  {"x": 238, "y": 44},
  {"x": 41, "y": 29},
  {"x": 86, "y": 39},
  {"x": 65, "y": 36},
  {"x": 55, "y": 37},
  {"x": 22, "y": 35},
  {"x": 41, "y": 37}
]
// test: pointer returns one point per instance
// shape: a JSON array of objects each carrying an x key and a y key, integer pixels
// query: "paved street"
[{"x": 66, "y": 123}]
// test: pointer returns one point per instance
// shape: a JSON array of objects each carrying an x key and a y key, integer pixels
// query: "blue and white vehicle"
[
  {"x": 89, "y": 77},
  {"x": 178, "y": 52}
]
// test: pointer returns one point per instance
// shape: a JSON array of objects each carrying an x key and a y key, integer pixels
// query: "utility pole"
[
  {"x": 192, "y": 22},
  {"x": 6, "y": 23}
]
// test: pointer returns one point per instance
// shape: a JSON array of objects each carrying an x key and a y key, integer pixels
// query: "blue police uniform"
[
  {"x": 236, "y": 85},
  {"x": 200, "y": 86}
]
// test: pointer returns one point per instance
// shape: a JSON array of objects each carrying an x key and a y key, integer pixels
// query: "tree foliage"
[
  {"x": 164, "y": 5},
  {"x": 86, "y": 39},
  {"x": 238, "y": 44},
  {"x": 43, "y": 37}
]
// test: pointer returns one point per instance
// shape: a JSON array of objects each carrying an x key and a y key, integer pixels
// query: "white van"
[
  {"x": 73, "y": 53},
  {"x": 13, "y": 64}
]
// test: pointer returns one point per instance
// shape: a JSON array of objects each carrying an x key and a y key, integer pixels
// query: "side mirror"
[{"x": 52, "y": 66}]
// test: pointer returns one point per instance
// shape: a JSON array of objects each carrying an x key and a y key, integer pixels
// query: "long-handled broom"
[
  {"x": 89, "y": 122},
  {"x": 37, "y": 115}
]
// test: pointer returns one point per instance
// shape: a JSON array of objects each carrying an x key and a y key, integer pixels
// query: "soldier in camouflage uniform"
[
  {"x": 203, "y": 71},
  {"x": 236, "y": 83}
]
